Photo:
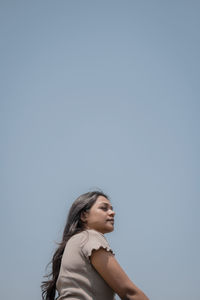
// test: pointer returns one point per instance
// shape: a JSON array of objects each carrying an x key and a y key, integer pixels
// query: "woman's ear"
[{"x": 84, "y": 215}]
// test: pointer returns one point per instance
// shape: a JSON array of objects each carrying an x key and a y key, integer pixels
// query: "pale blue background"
[{"x": 101, "y": 94}]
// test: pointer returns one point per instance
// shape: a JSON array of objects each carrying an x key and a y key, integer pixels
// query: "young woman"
[{"x": 84, "y": 266}]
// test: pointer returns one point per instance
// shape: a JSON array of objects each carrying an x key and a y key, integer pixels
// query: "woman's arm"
[{"x": 108, "y": 267}]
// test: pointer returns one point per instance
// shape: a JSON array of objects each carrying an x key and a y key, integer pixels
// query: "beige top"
[{"x": 78, "y": 280}]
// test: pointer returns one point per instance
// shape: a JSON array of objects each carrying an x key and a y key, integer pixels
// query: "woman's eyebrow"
[{"x": 107, "y": 204}]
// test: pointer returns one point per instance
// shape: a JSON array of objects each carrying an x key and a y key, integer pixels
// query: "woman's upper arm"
[{"x": 108, "y": 267}]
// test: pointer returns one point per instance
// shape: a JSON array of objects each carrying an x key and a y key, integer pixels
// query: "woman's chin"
[{"x": 110, "y": 228}]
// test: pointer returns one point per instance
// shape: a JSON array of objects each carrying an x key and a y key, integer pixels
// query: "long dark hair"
[{"x": 73, "y": 226}]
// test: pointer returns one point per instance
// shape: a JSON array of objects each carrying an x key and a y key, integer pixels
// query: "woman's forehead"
[{"x": 102, "y": 199}]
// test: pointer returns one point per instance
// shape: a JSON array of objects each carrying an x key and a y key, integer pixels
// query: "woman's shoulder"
[
  {"x": 90, "y": 233},
  {"x": 84, "y": 236},
  {"x": 93, "y": 232},
  {"x": 94, "y": 241},
  {"x": 87, "y": 241},
  {"x": 87, "y": 233},
  {"x": 94, "y": 235},
  {"x": 78, "y": 236}
]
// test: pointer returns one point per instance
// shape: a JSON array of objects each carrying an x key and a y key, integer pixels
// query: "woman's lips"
[{"x": 111, "y": 221}]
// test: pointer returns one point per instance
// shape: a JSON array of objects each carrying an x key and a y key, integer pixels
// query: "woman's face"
[{"x": 100, "y": 216}]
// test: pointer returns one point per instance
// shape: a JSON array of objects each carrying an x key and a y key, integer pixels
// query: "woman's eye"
[{"x": 104, "y": 208}]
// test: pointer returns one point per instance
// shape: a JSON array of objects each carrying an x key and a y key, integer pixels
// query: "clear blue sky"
[{"x": 101, "y": 94}]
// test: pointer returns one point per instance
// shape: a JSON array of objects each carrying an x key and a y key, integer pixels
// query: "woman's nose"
[{"x": 111, "y": 213}]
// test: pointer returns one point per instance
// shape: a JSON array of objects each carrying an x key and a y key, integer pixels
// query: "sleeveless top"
[{"x": 78, "y": 279}]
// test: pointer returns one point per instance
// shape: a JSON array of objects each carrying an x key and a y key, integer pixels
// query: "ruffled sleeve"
[{"x": 94, "y": 241}]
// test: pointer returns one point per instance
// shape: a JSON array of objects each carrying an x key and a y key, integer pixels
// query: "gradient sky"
[{"x": 101, "y": 94}]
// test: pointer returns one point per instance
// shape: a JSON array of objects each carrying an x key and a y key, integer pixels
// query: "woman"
[{"x": 84, "y": 266}]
